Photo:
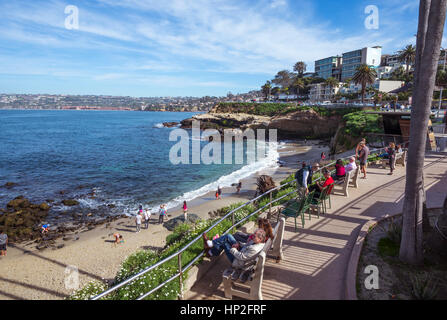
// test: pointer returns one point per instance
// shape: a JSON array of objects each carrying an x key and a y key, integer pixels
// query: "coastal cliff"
[{"x": 290, "y": 121}]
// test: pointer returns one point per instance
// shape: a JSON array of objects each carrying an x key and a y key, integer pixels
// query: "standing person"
[
  {"x": 138, "y": 219},
  {"x": 185, "y": 210},
  {"x": 357, "y": 149},
  {"x": 219, "y": 192},
  {"x": 304, "y": 176},
  {"x": 363, "y": 158},
  {"x": 3, "y": 243},
  {"x": 323, "y": 156},
  {"x": 392, "y": 156},
  {"x": 162, "y": 214},
  {"x": 238, "y": 187},
  {"x": 147, "y": 217}
]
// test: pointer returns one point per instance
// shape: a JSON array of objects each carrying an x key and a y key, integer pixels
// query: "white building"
[
  {"x": 321, "y": 92},
  {"x": 353, "y": 59}
]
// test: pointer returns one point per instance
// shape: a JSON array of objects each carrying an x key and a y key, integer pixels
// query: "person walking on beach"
[
  {"x": 363, "y": 158},
  {"x": 162, "y": 213},
  {"x": 147, "y": 217},
  {"x": 3, "y": 243},
  {"x": 239, "y": 186},
  {"x": 219, "y": 192},
  {"x": 138, "y": 219},
  {"x": 323, "y": 156},
  {"x": 185, "y": 210}
]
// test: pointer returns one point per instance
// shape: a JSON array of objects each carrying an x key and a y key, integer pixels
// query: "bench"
[
  {"x": 401, "y": 158},
  {"x": 247, "y": 283},
  {"x": 351, "y": 179}
]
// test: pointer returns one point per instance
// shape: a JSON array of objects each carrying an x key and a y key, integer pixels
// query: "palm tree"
[
  {"x": 267, "y": 89},
  {"x": 364, "y": 75},
  {"x": 331, "y": 82},
  {"x": 432, "y": 16},
  {"x": 407, "y": 55},
  {"x": 300, "y": 67},
  {"x": 297, "y": 84}
]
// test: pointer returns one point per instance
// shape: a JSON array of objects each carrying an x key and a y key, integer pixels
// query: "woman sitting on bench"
[
  {"x": 340, "y": 172},
  {"x": 264, "y": 224},
  {"x": 237, "y": 254}
]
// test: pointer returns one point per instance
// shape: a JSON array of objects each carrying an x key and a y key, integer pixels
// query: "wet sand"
[{"x": 28, "y": 273}]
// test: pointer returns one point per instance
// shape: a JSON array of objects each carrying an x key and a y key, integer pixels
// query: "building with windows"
[
  {"x": 329, "y": 67},
  {"x": 321, "y": 92},
  {"x": 353, "y": 59}
]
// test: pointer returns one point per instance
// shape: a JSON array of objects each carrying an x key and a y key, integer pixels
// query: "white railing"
[{"x": 178, "y": 254}]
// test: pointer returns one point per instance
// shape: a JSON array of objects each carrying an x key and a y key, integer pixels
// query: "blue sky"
[{"x": 148, "y": 48}]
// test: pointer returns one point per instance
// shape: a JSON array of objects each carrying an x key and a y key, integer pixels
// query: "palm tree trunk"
[{"x": 431, "y": 24}]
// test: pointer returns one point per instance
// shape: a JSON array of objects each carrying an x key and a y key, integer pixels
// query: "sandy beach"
[{"x": 27, "y": 273}]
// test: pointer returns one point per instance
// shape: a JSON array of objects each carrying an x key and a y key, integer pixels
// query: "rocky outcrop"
[
  {"x": 70, "y": 203},
  {"x": 22, "y": 220},
  {"x": 170, "y": 124},
  {"x": 299, "y": 124}
]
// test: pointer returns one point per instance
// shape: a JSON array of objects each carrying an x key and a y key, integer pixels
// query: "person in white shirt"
[
  {"x": 147, "y": 217},
  {"x": 351, "y": 165},
  {"x": 138, "y": 219}
]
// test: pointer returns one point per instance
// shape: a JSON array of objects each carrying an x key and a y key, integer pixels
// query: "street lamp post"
[{"x": 440, "y": 93}]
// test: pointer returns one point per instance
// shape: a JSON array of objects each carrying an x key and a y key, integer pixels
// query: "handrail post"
[
  {"x": 181, "y": 275},
  {"x": 270, "y": 206},
  {"x": 232, "y": 220}
]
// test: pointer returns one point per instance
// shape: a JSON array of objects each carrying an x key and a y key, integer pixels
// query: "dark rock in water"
[
  {"x": 43, "y": 206},
  {"x": 170, "y": 124},
  {"x": 173, "y": 223},
  {"x": 19, "y": 202},
  {"x": 70, "y": 202},
  {"x": 49, "y": 200},
  {"x": 62, "y": 192},
  {"x": 10, "y": 184},
  {"x": 111, "y": 206}
]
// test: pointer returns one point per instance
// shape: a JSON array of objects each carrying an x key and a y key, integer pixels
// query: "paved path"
[{"x": 316, "y": 257}]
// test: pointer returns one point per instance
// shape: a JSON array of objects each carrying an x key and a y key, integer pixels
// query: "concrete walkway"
[{"x": 316, "y": 257}]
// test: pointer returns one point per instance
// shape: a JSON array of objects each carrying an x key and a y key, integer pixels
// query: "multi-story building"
[
  {"x": 328, "y": 67},
  {"x": 322, "y": 92},
  {"x": 353, "y": 59}
]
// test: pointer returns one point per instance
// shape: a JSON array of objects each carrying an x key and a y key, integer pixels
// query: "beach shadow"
[
  {"x": 109, "y": 241},
  {"x": 152, "y": 248},
  {"x": 9, "y": 295},
  {"x": 125, "y": 230},
  {"x": 30, "y": 286}
]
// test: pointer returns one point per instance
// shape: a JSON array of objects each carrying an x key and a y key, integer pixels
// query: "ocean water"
[{"x": 111, "y": 162}]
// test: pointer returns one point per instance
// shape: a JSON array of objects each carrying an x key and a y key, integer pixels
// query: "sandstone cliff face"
[{"x": 298, "y": 124}]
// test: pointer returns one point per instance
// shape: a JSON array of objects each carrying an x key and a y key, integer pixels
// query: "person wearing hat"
[{"x": 304, "y": 176}]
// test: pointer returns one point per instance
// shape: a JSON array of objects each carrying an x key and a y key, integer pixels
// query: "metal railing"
[{"x": 178, "y": 254}]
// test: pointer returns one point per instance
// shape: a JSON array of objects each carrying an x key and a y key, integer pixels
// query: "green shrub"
[
  {"x": 388, "y": 247},
  {"x": 423, "y": 287},
  {"x": 89, "y": 291}
]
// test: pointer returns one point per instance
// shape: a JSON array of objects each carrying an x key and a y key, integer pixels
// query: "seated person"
[
  {"x": 264, "y": 224},
  {"x": 351, "y": 166},
  {"x": 318, "y": 187},
  {"x": 237, "y": 254},
  {"x": 399, "y": 148},
  {"x": 340, "y": 171},
  {"x": 45, "y": 228}
]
